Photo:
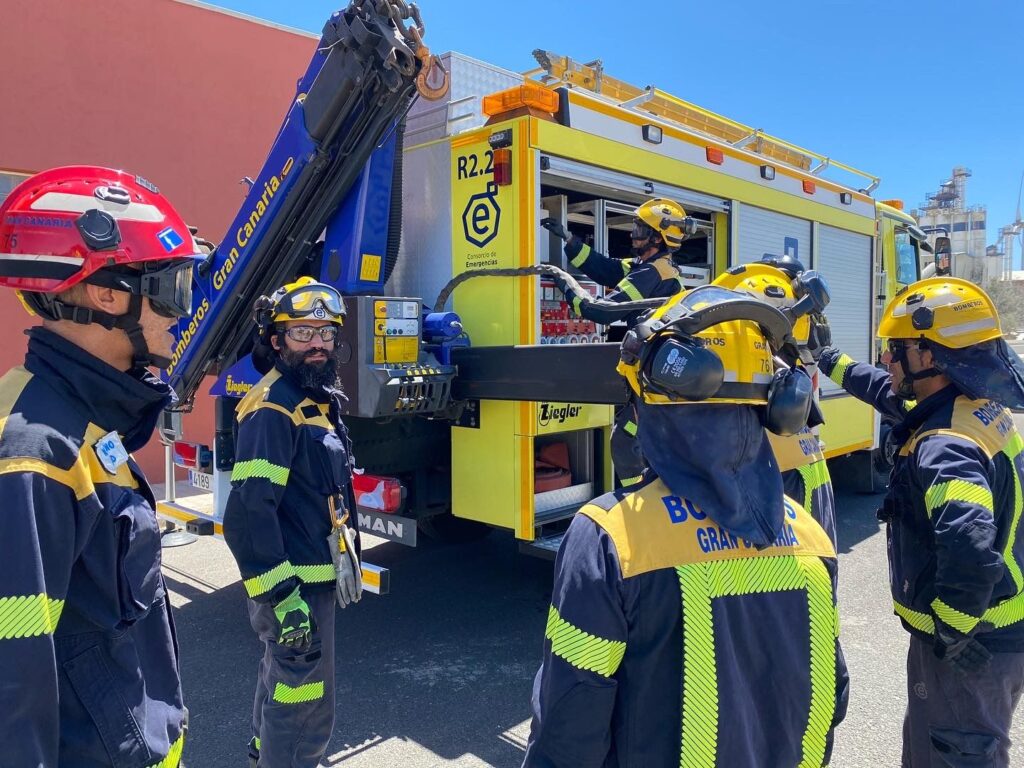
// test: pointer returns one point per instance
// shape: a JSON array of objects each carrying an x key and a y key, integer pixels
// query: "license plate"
[{"x": 200, "y": 480}]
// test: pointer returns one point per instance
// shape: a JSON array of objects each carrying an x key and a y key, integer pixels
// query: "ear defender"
[
  {"x": 683, "y": 368},
  {"x": 790, "y": 396}
]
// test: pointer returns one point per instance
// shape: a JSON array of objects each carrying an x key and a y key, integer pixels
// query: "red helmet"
[{"x": 83, "y": 223}]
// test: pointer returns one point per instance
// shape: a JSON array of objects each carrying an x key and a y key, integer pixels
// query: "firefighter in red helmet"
[{"x": 87, "y": 651}]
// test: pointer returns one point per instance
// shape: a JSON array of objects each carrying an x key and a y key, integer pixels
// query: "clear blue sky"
[{"x": 904, "y": 90}]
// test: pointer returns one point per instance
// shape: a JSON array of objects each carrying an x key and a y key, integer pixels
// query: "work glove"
[
  {"x": 964, "y": 652},
  {"x": 820, "y": 336},
  {"x": 554, "y": 226},
  {"x": 295, "y": 622},
  {"x": 348, "y": 586}
]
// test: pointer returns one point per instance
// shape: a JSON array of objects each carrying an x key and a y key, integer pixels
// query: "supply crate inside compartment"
[{"x": 565, "y": 467}]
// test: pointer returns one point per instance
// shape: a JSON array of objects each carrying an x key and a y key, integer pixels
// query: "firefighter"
[
  {"x": 88, "y": 661},
  {"x": 952, "y": 511},
  {"x": 290, "y": 520},
  {"x": 693, "y": 619},
  {"x": 659, "y": 228},
  {"x": 805, "y": 476}
]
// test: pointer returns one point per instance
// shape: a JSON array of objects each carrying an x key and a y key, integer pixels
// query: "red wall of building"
[{"x": 189, "y": 97}]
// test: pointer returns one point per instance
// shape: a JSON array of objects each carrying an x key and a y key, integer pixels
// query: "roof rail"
[{"x": 555, "y": 69}]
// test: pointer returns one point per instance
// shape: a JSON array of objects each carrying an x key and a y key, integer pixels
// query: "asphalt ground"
[{"x": 439, "y": 672}]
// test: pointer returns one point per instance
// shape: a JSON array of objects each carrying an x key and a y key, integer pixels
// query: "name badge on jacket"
[{"x": 111, "y": 452}]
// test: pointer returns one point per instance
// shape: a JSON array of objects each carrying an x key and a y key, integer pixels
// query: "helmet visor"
[{"x": 317, "y": 301}]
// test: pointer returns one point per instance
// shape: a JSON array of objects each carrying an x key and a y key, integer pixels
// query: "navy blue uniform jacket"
[
  {"x": 672, "y": 642},
  {"x": 953, "y": 509},
  {"x": 292, "y": 462},
  {"x": 88, "y": 658}
]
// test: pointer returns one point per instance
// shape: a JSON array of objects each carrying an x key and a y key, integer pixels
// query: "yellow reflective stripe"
[
  {"x": 259, "y": 585},
  {"x": 956, "y": 619},
  {"x": 916, "y": 619},
  {"x": 582, "y": 649},
  {"x": 814, "y": 476},
  {"x": 699, "y": 741},
  {"x": 577, "y": 301},
  {"x": 627, "y": 264},
  {"x": 1008, "y": 612},
  {"x": 629, "y": 289},
  {"x": 173, "y": 758},
  {"x": 839, "y": 369},
  {"x": 245, "y": 470},
  {"x": 631, "y": 480},
  {"x": 285, "y": 694},
  {"x": 29, "y": 616},
  {"x": 824, "y": 620},
  {"x": 581, "y": 257},
  {"x": 700, "y": 583},
  {"x": 1012, "y": 451},
  {"x": 315, "y": 573},
  {"x": 957, "y": 490}
]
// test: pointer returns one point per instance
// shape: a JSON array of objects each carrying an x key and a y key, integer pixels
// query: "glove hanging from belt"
[{"x": 348, "y": 577}]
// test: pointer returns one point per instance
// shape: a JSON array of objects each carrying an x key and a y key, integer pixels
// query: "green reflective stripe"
[
  {"x": 956, "y": 619},
  {"x": 582, "y": 649},
  {"x": 576, "y": 302},
  {"x": 839, "y": 369},
  {"x": 315, "y": 573},
  {"x": 581, "y": 257},
  {"x": 173, "y": 755},
  {"x": 29, "y": 616},
  {"x": 814, "y": 476},
  {"x": 285, "y": 694},
  {"x": 260, "y": 468},
  {"x": 1008, "y": 612},
  {"x": 957, "y": 490},
  {"x": 700, "y": 675},
  {"x": 265, "y": 582},
  {"x": 919, "y": 621},
  {"x": 629, "y": 428},
  {"x": 257, "y": 742},
  {"x": 627, "y": 264},
  {"x": 629, "y": 289},
  {"x": 823, "y": 620},
  {"x": 1012, "y": 451},
  {"x": 701, "y": 583},
  {"x": 631, "y": 480}
]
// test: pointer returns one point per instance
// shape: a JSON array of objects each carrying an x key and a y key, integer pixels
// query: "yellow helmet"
[
  {"x": 947, "y": 310},
  {"x": 713, "y": 345},
  {"x": 769, "y": 284},
  {"x": 667, "y": 218},
  {"x": 303, "y": 299}
]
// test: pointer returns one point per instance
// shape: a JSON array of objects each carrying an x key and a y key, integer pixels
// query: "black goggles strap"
[{"x": 161, "y": 284}]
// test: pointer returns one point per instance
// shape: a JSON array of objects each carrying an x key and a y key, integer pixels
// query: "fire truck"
[{"x": 475, "y": 399}]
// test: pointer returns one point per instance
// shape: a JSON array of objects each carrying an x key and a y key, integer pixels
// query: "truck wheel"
[{"x": 452, "y": 530}]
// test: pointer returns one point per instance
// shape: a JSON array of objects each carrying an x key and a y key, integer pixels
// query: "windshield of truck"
[{"x": 906, "y": 258}]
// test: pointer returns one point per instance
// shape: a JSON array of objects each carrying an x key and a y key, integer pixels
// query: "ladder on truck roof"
[{"x": 555, "y": 69}]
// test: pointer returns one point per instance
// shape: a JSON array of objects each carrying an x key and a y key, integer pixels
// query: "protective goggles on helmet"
[
  {"x": 319, "y": 302},
  {"x": 167, "y": 284},
  {"x": 642, "y": 230}
]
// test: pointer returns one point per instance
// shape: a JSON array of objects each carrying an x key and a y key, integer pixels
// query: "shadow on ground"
[{"x": 445, "y": 661}]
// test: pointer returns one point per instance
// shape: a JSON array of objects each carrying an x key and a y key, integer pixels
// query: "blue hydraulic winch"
[{"x": 443, "y": 332}]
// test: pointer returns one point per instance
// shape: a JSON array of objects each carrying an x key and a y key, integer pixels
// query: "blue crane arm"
[{"x": 358, "y": 84}]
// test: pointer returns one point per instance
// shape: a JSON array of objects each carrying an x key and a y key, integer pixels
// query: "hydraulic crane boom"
[{"x": 358, "y": 85}]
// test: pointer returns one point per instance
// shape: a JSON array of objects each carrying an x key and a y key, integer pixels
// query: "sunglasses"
[{"x": 305, "y": 333}]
